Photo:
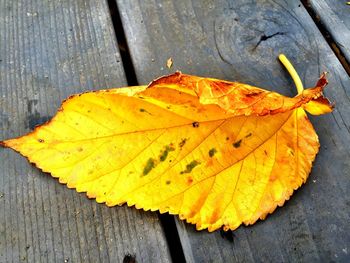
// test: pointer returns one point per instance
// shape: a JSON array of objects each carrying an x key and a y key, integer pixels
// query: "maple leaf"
[{"x": 217, "y": 153}]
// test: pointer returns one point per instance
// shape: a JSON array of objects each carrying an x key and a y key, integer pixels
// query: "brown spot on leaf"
[
  {"x": 212, "y": 152},
  {"x": 254, "y": 94},
  {"x": 183, "y": 142},
  {"x": 237, "y": 144},
  {"x": 195, "y": 124},
  {"x": 41, "y": 140},
  {"x": 189, "y": 180},
  {"x": 144, "y": 110}
]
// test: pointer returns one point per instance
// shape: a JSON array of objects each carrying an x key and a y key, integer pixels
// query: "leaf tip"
[
  {"x": 322, "y": 82},
  {"x": 318, "y": 104}
]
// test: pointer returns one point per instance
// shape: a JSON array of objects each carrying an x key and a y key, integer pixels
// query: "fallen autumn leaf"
[{"x": 217, "y": 153}]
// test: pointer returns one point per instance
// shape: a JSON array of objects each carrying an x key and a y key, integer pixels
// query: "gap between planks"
[
  {"x": 167, "y": 221},
  {"x": 327, "y": 36}
]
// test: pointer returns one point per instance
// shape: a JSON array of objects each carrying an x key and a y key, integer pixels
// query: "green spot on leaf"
[
  {"x": 164, "y": 154},
  {"x": 149, "y": 166},
  {"x": 190, "y": 166},
  {"x": 212, "y": 152}
]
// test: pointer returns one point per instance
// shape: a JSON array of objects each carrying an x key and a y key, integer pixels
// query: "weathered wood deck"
[{"x": 52, "y": 49}]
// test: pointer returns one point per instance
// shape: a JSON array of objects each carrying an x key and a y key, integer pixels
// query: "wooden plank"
[
  {"x": 240, "y": 40},
  {"x": 48, "y": 51},
  {"x": 335, "y": 17}
]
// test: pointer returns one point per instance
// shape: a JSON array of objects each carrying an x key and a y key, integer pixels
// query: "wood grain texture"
[
  {"x": 240, "y": 40},
  {"x": 48, "y": 51},
  {"x": 335, "y": 16}
]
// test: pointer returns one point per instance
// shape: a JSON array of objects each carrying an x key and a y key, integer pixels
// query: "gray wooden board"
[
  {"x": 335, "y": 16},
  {"x": 219, "y": 39},
  {"x": 48, "y": 51}
]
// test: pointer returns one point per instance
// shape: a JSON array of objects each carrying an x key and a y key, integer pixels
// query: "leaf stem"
[{"x": 293, "y": 73}]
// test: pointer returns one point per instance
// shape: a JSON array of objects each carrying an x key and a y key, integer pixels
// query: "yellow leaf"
[{"x": 216, "y": 153}]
